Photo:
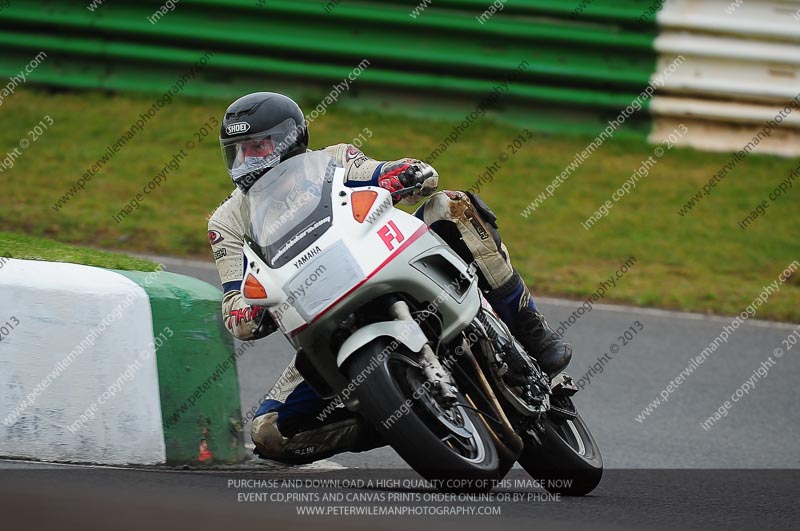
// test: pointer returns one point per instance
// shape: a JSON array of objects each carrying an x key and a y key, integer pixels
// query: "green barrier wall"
[
  {"x": 197, "y": 376},
  {"x": 581, "y": 67}
]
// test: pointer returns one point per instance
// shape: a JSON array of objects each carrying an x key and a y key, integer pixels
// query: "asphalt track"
[{"x": 662, "y": 472}]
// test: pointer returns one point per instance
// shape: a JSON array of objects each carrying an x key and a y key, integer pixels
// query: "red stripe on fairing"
[{"x": 411, "y": 239}]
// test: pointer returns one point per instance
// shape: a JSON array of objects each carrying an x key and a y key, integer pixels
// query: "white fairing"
[{"x": 340, "y": 260}]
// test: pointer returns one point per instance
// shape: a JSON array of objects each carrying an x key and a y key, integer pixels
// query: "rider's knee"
[
  {"x": 446, "y": 205},
  {"x": 475, "y": 220},
  {"x": 477, "y": 235},
  {"x": 267, "y": 438}
]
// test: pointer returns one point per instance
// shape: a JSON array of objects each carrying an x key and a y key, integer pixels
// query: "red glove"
[{"x": 393, "y": 174}]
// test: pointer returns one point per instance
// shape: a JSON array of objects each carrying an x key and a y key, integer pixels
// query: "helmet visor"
[{"x": 258, "y": 151}]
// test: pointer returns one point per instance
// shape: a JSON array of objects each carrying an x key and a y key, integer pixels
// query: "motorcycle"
[{"x": 387, "y": 319}]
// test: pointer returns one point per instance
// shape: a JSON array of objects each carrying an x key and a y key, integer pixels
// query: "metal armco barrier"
[
  {"x": 584, "y": 60},
  {"x": 581, "y": 67}
]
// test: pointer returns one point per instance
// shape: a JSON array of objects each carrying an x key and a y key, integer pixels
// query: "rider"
[{"x": 258, "y": 132}]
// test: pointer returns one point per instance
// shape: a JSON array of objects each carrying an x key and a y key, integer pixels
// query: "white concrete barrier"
[{"x": 78, "y": 374}]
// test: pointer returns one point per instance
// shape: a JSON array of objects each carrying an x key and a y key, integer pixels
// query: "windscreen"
[{"x": 290, "y": 206}]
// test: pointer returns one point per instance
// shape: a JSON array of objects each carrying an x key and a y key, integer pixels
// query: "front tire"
[{"x": 443, "y": 445}]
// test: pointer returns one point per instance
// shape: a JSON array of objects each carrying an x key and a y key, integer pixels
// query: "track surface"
[{"x": 663, "y": 472}]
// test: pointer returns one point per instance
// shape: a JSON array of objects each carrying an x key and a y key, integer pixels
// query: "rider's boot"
[{"x": 514, "y": 304}]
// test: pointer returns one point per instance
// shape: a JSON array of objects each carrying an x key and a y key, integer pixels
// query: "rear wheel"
[
  {"x": 449, "y": 444},
  {"x": 563, "y": 455}
]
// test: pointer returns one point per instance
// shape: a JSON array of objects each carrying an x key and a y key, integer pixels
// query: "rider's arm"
[
  {"x": 224, "y": 235},
  {"x": 364, "y": 171}
]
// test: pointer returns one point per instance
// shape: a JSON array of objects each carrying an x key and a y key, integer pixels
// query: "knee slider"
[
  {"x": 269, "y": 441},
  {"x": 445, "y": 205}
]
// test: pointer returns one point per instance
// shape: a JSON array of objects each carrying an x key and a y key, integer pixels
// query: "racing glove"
[{"x": 407, "y": 173}]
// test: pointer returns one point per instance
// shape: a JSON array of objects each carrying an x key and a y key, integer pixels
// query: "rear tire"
[
  {"x": 451, "y": 447},
  {"x": 567, "y": 461}
]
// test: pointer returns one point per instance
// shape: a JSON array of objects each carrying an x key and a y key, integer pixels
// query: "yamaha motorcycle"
[{"x": 389, "y": 320}]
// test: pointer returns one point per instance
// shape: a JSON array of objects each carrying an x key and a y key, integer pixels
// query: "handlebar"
[{"x": 403, "y": 192}]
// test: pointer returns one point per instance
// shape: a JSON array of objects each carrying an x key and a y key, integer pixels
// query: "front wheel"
[
  {"x": 562, "y": 454},
  {"x": 445, "y": 444}
]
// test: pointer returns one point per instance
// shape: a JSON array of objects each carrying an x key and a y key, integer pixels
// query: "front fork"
[
  {"x": 431, "y": 366},
  {"x": 478, "y": 391}
]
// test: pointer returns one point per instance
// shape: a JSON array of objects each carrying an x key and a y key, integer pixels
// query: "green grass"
[
  {"x": 701, "y": 262},
  {"x": 29, "y": 248}
]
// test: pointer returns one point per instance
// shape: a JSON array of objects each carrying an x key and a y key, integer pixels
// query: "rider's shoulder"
[
  {"x": 343, "y": 153},
  {"x": 229, "y": 204},
  {"x": 335, "y": 148}
]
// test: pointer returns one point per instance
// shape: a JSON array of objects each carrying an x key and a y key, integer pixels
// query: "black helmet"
[{"x": 258, "y": 131}]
